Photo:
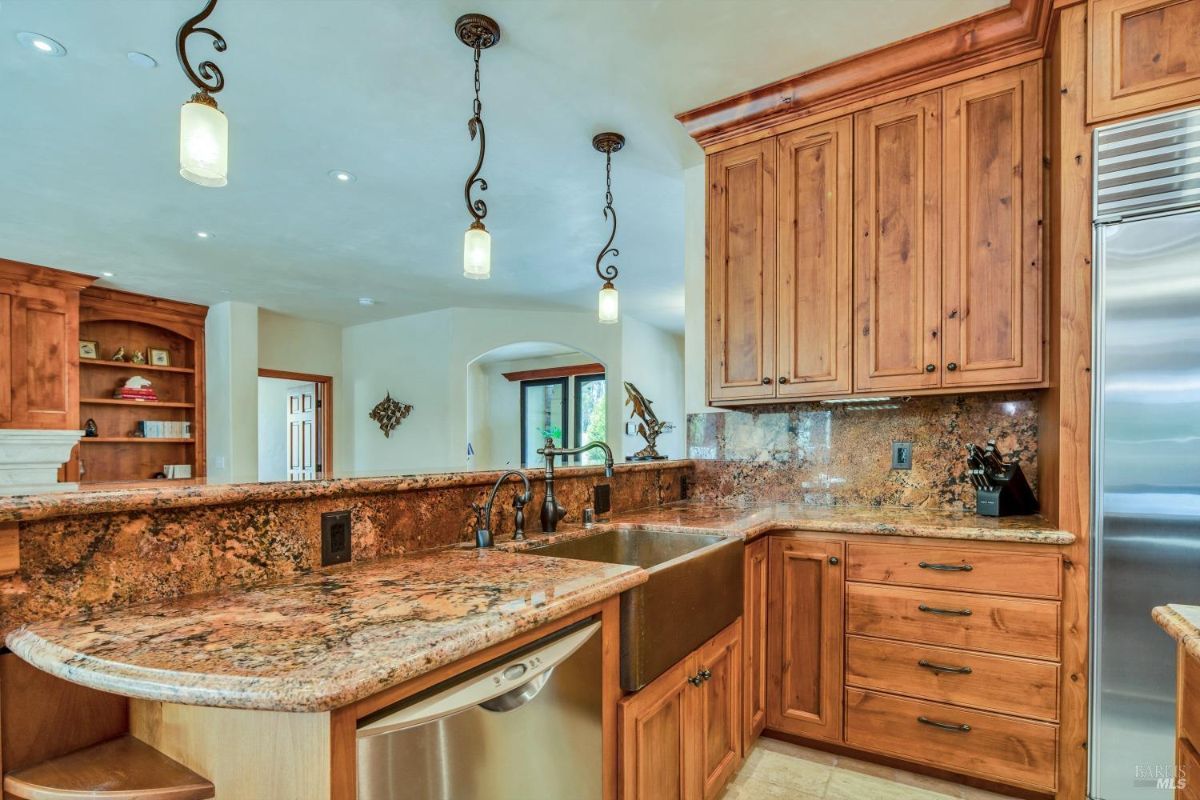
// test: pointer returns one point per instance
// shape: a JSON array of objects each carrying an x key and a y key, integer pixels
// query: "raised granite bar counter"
[
  {"x": 322, "y": 640},
  {"x": 1183, "y": 624},
  {"x": 751, "y": 521}
]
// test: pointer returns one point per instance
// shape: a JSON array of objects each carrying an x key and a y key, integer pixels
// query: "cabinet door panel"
[
  {"x": 816, "y": 234},
  {"x": 898, "y": 203},
  {"x": 741, "y": 272},
  {"x": 992, "y": 278},
  {"x": 719, "y": 749},
  {"x": 9, "y": 357},
  {"x": 804, "y": 645},
  {"x": 655, "y": 728},
  {"x": 754, "y": 642},
  {"x": 1143, "y": 55},
  {"x": 45, "y": 332}
]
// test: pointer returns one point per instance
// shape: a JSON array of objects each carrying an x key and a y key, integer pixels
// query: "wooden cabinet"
[
  {"x": 754, "y": 641},
  {"x": 741, "y": 272},
  {"x": 805, "y": 637},
  {"x": 992, "y": 285},
  {"x": 1143, "y": 55},
  {"x": 39, "y": 333},
  {"x": 898, "y": 206},
  {"x": 1187, "y": 706},
  {"x": 815, "y": 238},
  {"x": 681, "y": 734}
]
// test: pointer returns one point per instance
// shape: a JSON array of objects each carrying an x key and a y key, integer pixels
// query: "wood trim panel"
[
  {"x": 6, "y": 350},
  {"x": 814, "y": 270},
  {"x": 10, "y": 548},
  {"x": 754, "y": 641},
  {"x": 555, "y": 372},
  {"x": 1017, "y": 29},
  {"x": 1143, "y": 55},
  {"x": 740, "y": 273}
]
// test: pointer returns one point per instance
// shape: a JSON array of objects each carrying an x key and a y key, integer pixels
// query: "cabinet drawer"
[
  {"x": 994, "y": 683},
  {"x": 964, "y": 569},
  {"x": 974, "y": 621},
  {"x": 1188, "y": 701},
  {"x": 1014, "y": 751}
]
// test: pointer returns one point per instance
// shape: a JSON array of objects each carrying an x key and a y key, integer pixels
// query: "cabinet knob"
[
  {"x": 930, "y": 367},
  {"x": 766, "y": 381},
  {"x": 952, "y": 366},
  {"x": 695, "y": 680},
  {"x": 783, "y": 379},
  {"x": 834, "y": 560},
  {"x": 704, "y": 674}
]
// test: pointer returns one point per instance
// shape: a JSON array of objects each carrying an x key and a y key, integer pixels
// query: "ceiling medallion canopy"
[
  {"x": 203, "y": 128},
  {"x": 609, "y": 313},
  {"x": 477, "y": 32}
]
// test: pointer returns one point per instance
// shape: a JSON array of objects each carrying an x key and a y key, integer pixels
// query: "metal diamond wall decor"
[{"x": 389, "y": 414}]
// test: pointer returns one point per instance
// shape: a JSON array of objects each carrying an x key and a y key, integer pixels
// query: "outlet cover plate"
[
  {"x": 902, "y": 455},
  {"x": 335, "y": 537}
]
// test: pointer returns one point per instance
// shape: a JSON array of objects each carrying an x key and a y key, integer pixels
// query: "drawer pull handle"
[
  {"x": 946, "y": 567},
  {"x": 946, "y": 726},
  {"x": 949, "y": 612},
  {"x": 943, "y": 668}
]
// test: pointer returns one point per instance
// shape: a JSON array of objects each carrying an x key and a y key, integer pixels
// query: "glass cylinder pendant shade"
[
  {"x": 203, "y": 142},
  {"x": 477, "y": 252},
  {"x": 608, "y": 303}
]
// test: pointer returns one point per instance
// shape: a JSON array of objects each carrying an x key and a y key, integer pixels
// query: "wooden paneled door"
[
  {"x": 897, "y": 215},
  {"x": 1143, "y": 55},
  {"x": 741, "y": 272},
  {"x": 815, "y": 238},
  {"x": 39, "y": 337},
  {"x": 719, "y": 666},
  {"x": 656, "y": 751},
  {"x": 805, "y": 637},
  {"x": 754, "y": 642},
  {"x": 992, "y": 285}
]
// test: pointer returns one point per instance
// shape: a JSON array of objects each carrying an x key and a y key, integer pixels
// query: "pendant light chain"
[{"x": 478, "y": 103}]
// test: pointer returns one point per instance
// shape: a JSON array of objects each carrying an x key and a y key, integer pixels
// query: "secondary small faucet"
[
  {"x": 552, "y": 510},
  {"x": 483, "y": 514}
]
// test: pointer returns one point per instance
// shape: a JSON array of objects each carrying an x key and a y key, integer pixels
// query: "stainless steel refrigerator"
[{"x": 1146, "y": 436}]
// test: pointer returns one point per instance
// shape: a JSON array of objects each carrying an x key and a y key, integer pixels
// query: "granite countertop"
[
  {"x": 322, "y": 640},
  {"x": 1183, "y": 623},
  {"x": 751, "y": 521}
]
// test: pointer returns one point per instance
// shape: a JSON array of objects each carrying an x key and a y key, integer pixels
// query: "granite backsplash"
[{"x": 840, "y": 454}]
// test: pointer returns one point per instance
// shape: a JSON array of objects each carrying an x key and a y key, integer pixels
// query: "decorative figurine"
[
  {"x": 119, "y": 355},
  {"x": 90, "y": 430},
  {"x": 649, "y": 428},
  {"x": 389, "y": 414},
  {"x": 138, "y": 357}
]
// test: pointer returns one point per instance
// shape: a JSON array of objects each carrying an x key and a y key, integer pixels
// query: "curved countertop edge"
[
  {"x": 115, "y": 499},
  {"x": 1182, "y": 623},
  {"x": 291, "y": 694}
]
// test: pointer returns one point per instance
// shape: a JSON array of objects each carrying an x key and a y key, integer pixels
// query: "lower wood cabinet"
[
  {"x": 1187, "y": 745},
  {"x": 681, "y": 736},
  {"x": 754, "y": 642},
  {"x": 805, "y": 637}
]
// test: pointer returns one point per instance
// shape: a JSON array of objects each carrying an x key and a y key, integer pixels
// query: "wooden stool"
[{"x": 119, "y": 769}]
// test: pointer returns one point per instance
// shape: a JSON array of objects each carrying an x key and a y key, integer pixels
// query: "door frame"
[{"x": 325, "y": 401}]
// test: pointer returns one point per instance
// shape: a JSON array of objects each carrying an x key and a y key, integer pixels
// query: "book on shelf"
[
  {"x": 127, "y": 393},
  {"x": 163, "y": 429}
]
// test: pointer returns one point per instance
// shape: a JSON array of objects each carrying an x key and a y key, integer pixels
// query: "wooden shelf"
[
  {"x": 113, "y": 401},
  {"x": 97, "y": 362},
  {"x": 134, "y": 440}
]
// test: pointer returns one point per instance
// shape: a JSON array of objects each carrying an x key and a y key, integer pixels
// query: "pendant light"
[
  {"x": 609, "y": 311},
  {"x": 478, "y": 33},
  {"x": 203, "y": 128}
]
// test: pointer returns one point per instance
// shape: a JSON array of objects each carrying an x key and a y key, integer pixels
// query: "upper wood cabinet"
[
  {"x": 1143, "y": 55},
  {"x": 898, "y": 206},
  {"x": 815, "y": 238},
  {"x": 741, "y": 272},
  {"x": 992, "y": 285}
]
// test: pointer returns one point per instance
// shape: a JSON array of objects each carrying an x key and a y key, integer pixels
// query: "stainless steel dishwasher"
[{"x": 526, "y": 726}]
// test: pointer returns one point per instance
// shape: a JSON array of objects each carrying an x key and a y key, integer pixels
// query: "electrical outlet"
[
  {"x": 902, "y": 455},
  {"x": 335, "y": 537},
  {"x": 602, "y": 499}
]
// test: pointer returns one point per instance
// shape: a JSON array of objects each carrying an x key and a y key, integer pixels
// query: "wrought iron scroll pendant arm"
[
  {"x": 208, "y": 78},
  {"x": 477, "y": 207},
  {"x": 608, "y": 272}
]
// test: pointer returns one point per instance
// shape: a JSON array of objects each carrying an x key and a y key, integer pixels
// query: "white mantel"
[{"x": 30, "y": 460}]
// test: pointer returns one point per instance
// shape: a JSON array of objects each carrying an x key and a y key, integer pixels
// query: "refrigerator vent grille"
[{"x": 1148, "y": 166}]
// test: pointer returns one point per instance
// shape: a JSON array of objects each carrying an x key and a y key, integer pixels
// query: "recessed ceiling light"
[
  {"x": 366, "y": 301},
  {"x": 341, "y": 176},
  {"x": 41, "y": 44},
  {"x": 107, "y": 274},
  {"x": 203, "y": 235},
  {"x": 141, "y": 60}
]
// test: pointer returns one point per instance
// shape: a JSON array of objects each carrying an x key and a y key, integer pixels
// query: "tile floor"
[{"x": 776, "y": 770}]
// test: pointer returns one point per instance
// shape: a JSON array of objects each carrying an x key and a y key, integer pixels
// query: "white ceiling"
[{"x": 88, "y": 142}]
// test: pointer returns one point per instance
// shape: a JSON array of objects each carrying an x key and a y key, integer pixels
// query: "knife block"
[{"x": 1010, "y": 497}]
